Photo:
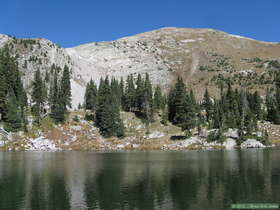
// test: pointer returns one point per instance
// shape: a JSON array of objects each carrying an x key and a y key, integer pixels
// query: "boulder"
[
  {"x": 252, "y": 143},
  {"x": 229, "y": 143},
  {"x": 232, "y": 133},
  {"x": 155, "y": 135}
]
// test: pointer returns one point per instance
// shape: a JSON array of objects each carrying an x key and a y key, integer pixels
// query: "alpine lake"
[{"x": 139, "y": 179}]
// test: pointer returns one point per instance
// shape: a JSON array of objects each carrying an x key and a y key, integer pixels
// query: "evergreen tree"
[
  {"x": 189, "y": 116},
  {"x": 122, "y": 94},
  {"x": 158, "y": 98},
  {"x": 66, "y": 88},
  {"x": 148, "y": 100},
  {"x": 37, "y": 96},
  {"x": 13, "y": 121},
  {"x": 139, "y": 94},
  {"x": 129, "y": 94},
  {"x": 208, "y": 105},
  {"x": 179, "y": 102},
  {"x": 91, "y": 96},
  {"x": 57, "y": 101},
  {"x": 108, "y": 113},
  {"x": 257, "y": 106}
]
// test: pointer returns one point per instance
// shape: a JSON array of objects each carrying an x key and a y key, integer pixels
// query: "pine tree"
[
  {"x": 139, "y": 93},
  {"x": 91, "y": 96},
  {"x": 108, "y": 113},
  {"x": 148, "y": 100},
  {"x": 171, "y": 105},
  {"x": 3, "y": 90},
  {"x": 122, "y": 94},
  {"x": 38, "y": 98},
  {"x": 57, "y": 101},
  {"x": 13, "y": 121},
  {"x": 179, "y": 102},
  {"x": 189, "y": 120},
  {"x": 158, "y": 98},
  {"x": 66, "y": 88},
  {"x": 130, "y": 94}
]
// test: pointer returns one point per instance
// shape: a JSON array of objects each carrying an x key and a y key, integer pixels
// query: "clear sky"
[{"x": 74, "y": 22}]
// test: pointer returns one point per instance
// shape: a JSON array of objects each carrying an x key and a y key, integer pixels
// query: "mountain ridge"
[{"x": 199, "y": 56}]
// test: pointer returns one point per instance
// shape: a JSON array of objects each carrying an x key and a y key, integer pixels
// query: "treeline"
[
  {"x": 239, "y": 109},
  {"x": 49, "y": 95},
  {"x": 111, "y": 96},
  {"x": 234, "y": 108}
]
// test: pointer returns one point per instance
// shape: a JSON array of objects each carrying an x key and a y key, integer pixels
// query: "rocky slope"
[{"x": 203, "y": 57}]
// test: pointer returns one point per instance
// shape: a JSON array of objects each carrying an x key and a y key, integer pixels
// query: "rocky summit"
[{"x": 202, "y": 57}]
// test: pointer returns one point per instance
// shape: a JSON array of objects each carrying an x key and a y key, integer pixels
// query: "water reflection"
[{"x": 138, "y": 180}]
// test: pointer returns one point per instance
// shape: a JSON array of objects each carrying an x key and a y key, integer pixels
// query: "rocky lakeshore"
[{"x": 82, "y": 135}]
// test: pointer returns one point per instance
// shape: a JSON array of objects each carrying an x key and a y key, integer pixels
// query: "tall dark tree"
[
  {"x": 178, "y": 99},
  {"x": 91, "y": 96},
  {"x": 38, "y": 98},
  {"x": 158, "y": 98},
  {"x": 57, "y": 102},
  {"x": 108, "y": 113},
  {"x": 139, "y": 93},
  {"x": 66, "y": 88},
  {"x": 207, "y": 105},
  {"x": 148, "y": 99},
  {"x": 129, "y": 94},
  {"x": 13, "y": 121}
]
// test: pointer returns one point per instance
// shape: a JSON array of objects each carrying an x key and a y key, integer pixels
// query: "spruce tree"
[
  {"x": 158, "y": 98},
  {"x": 179, "y": 102},
  {"x": 13, "y": 121},
  {"x": 148, "y": 100},
  {"x": 108, "y": 113},
  {"x": 37, "y": 96},
  {"x": 57, "y": 101},
  {"x": 91, "y": 96},
  {"x": 139, "y": 93},
  {"x": 66, "y": 88},
  {"x": 130, "y": 95}
]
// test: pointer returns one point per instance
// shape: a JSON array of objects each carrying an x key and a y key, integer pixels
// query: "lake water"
[{"x": 138, "y": 180}]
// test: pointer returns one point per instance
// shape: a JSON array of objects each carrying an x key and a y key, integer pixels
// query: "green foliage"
[
  {"x": 91, "y": 96},
  {"x": 182, "y": 107},
  {"x": 76, "y": 119},
  {"x": 11, "y": 89},
  {"x": 38, "y": 96},
  {"x": 56, "y": 101},
  {"x": 13, "y": 121},
  {"x": 108, "y": 111},
  {"x": 158, "y": 99},
  {"x": 216, "y": 135},
  {"x": 65, "y": 88}
]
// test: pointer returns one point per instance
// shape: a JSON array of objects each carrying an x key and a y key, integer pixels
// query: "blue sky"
[{"x": 73, "y": 22}]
